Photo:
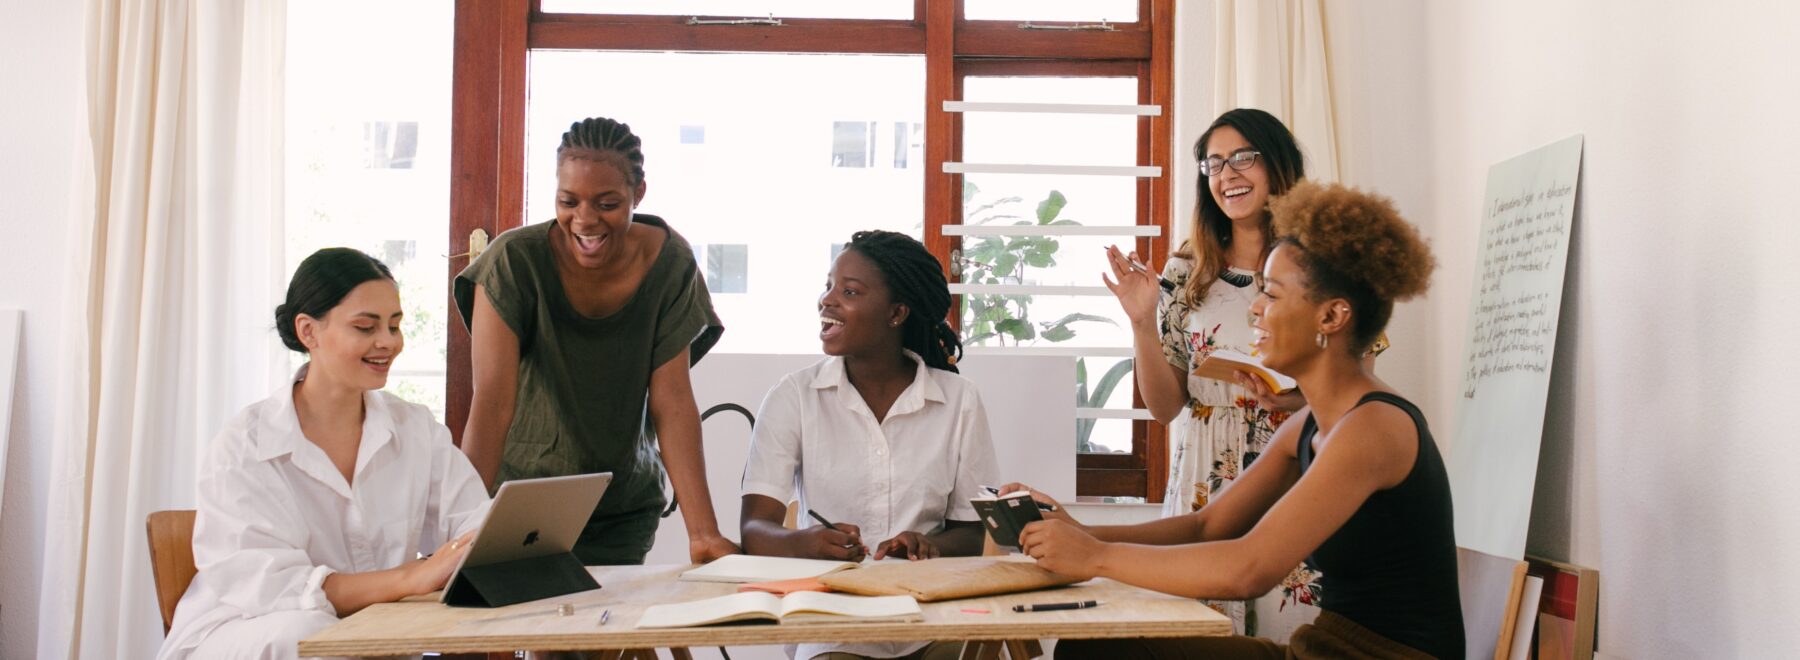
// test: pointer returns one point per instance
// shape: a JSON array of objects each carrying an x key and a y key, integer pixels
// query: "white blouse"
[
  {"x": 912, "y": 471},
  {"x": 275, "y": 517},
  {"x": 909, "y": 472}
]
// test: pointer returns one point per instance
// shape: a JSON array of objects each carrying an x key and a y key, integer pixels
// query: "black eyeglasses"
[{"x": 1240, "y": 160}]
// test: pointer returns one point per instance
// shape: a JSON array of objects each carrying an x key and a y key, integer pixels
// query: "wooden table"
[{"x": 421, "y": 625}]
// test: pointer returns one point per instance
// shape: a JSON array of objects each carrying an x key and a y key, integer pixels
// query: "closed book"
[{"x": 1005, "y": 516}]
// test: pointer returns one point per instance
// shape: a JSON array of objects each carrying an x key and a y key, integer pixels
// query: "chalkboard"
[{"x": 1521, "y": 254}]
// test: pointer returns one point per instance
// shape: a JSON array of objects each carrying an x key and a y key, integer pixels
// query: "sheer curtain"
[
  {"x": 174, "y": 269},
  {"x": 1271, "y": 55}
]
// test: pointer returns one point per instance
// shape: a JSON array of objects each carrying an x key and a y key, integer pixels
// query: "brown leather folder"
[{"x": 946, "y": 579}]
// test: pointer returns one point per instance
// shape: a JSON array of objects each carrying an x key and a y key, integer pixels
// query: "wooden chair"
[{"x": 171, "y": 537}]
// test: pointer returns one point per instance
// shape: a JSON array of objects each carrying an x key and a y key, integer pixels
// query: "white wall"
[
  {"x": 1665, "y": 462},
  {"x": 41, "y": 79}
]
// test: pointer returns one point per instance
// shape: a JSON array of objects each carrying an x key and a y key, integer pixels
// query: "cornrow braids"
[
  {"x": 915, "y": 279},
  {"x": 607, "y": 138}
]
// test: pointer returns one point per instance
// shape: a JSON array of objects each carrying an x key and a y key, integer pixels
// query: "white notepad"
[
  {"x": 751, "y": 568},
  {"x": 797, "y": 607}
]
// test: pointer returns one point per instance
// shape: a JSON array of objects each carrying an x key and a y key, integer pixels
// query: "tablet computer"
[{"x": 530, "y": 519}]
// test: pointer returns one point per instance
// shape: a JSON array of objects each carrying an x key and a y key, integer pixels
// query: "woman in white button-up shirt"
[
  {"x": 316, "y": 502},
  {"x": 883, "y": 438}
]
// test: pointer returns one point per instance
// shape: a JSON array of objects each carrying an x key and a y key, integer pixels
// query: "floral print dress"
[{"x": 1222, "y": 432}]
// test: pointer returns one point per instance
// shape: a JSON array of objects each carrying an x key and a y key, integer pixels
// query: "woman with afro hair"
[{"x": 1352, "y": 481}]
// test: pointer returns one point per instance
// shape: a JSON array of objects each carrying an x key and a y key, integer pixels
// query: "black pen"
[
  {"x": 1050, "y": 607},
  {"x": 822, "y": 520},
  {"x": 1041, "y": 506},
  {"x": 827, "y": 523}
]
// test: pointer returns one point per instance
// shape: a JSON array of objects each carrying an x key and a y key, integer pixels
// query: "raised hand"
[{"x": 1136, "y": 287}]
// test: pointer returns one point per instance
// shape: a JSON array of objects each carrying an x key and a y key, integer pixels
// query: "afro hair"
[{"x": 1356, "y": 246}]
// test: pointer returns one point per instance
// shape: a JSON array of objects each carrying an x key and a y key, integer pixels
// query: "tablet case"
[{"x": 519, "y": 580}]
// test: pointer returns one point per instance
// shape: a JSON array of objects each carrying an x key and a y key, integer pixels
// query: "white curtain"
[
  {"x": 175, "y": 265},
  {"x": 1271, "y": 55}
]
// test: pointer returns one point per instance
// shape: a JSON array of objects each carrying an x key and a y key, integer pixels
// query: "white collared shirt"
[
  {"x": 275, "y": 517},
  {"x": 911, "y": 471}
]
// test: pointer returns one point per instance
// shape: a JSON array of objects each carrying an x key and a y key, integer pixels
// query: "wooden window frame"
[{"x": 493, "y": 39}]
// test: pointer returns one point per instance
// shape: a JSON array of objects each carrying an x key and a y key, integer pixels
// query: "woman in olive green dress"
[{"x": 582, "y": 332}]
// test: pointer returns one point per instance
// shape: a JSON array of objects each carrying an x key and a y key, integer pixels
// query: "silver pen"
[{"x": 1166, "y": 284}]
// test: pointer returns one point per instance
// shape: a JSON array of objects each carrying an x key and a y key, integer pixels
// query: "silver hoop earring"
[{"x": 1322, "y": 340}]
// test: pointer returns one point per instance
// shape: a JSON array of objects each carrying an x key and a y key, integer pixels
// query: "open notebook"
[
  {"x": 751, "y": 568},
  {"x": 797, "y": 607}
]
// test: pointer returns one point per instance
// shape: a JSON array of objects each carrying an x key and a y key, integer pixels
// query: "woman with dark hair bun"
[
  {"x": 316, "y": 502},
  {"x": 582, "y": 330},
  {"x": 882, "y": 437},
  {"x": 1353, "y": 481}
]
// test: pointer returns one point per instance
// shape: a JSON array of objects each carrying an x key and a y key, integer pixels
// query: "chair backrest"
[{"x": 171, "y": 536}]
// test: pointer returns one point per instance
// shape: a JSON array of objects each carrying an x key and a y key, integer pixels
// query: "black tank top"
[{"x": 1392, "y": 567}]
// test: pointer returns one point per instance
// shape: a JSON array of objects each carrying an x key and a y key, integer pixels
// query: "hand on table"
[
  {"x": 707, "y": 548},
  {"x": 1062, "y": 548},
  {"x": 908, "y": 545},
  {"x": 429, "y": 574},
  {"x": 844, "y": 543}
]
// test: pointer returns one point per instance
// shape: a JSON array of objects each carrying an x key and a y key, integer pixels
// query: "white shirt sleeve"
[
  {"x": 774, "y": 457},
  {"x": 459, "y": 501},
  {"x": 976, "y": 464},
  {"x": 251, "y": 540}
]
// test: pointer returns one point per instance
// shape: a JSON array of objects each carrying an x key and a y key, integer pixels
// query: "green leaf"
[
  {"x": 1005, "y": 263},
  {"x": 1040, "y": 259},
  {"x": 969, "y": 190},
  {"x": 1019, "y": 329},
  {"x": 1078, "y": 316},
  {"x": 1059, "y": 333},
  {"x": 1052, "y": 205},
  {"x": 1108, "y": 382}
]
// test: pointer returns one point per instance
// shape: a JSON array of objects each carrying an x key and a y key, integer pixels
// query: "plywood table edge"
[
  {"x": 759, "y": 635},
  {"x": 1188, "y": 618}
]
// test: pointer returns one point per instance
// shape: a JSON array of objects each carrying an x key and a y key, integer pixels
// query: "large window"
[
  {"x": 773, "y": 129},
  {"x": 762, "y": 181},
  {"x": 368, "y": 158}
]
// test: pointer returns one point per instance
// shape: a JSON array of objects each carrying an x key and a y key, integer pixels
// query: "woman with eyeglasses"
[
  {"x": 1353, "y": 482},
  {"x": 1217, "y": 428}
]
